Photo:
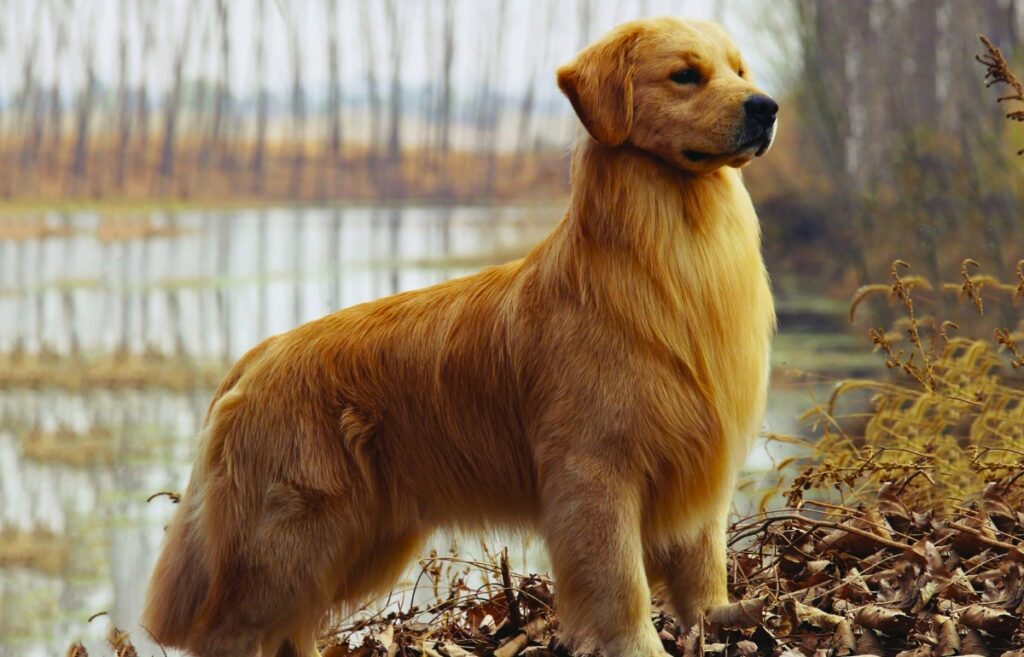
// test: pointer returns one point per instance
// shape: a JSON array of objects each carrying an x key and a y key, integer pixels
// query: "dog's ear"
[{"x": 599, "y": 84}]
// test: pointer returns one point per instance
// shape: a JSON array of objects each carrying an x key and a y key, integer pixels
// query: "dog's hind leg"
[
  {"x": 373, "y": 572},
  {"x": 295, "y": 646},
  {"x": 277, "y": 582},
  {"x": 694, "y": 573},
  {"x": 381, "y": 563},
  {"x": 324, "y": 558}
]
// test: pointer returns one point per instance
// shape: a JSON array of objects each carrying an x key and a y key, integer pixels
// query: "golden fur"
[{"x": 603, "y": 391}]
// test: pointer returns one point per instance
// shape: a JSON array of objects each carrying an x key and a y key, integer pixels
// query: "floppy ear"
[{"x": 599, "y": 84}]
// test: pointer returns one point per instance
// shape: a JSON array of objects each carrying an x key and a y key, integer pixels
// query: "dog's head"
[{"x": 677, "y": 89}]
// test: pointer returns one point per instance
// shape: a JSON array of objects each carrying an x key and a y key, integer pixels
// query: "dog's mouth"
[
  {"x": 697, "y": 156},
  {"x": 756, "y": 145}
]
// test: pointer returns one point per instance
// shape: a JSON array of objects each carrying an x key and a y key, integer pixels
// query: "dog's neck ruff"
[
  {"x": 629, "y": 199},
  {"x": 632, "y": 210},
  {"x": 673, "y": 259}
]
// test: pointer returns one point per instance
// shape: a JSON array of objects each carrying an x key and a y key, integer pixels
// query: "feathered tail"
[{"x": 180, "y": 580}]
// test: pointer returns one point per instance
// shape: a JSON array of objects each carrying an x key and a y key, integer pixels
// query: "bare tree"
[
  {"x": 172, "y": 101},
  {"x": 492, "y": 110},
  {"x": 200, "y": 113},
  {"x": 719, "y": 10},
  {"x": 334, "y": 258},
  {"x": 124, "y": 123},
  {"x": 4, "y": 56},
  {"x": 145, "y": 12},
  {"x": 263, "y": 278},
  {"x": 335, "y": 137},
  {"x": 28, "y": 100},
  {"x": 86, "y": 102},
  {"x": 372, "y": 85},
  {"x": 396, "y": 41},
  {"x": 61, "y": 12},
  {"x": 550, "y": 29},
  {"x": 444, "y": 113},
  {"x": 262, "y": 99},
  {"x": 298, "y": 100},
  {"x": 427, "y": 103},
  {"x": 124, "y": 282},
  {"x": 222, "y": 105},
  {"x": 526, "y": 104}
]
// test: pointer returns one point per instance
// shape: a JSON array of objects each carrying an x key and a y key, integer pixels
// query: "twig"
[
  {"x": 832, "y": 525},
  {"x": 510, "y": 601}
]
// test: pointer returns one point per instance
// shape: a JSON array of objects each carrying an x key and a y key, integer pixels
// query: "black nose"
[{"x": 761, "y": 108}]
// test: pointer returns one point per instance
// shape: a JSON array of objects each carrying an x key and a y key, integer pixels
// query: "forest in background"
[{"x": 896, "y": 149}]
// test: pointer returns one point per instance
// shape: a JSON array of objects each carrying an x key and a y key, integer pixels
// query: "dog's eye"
[
  {"x": 742, "y": 72},
  {"x": 686, "y": 76}
]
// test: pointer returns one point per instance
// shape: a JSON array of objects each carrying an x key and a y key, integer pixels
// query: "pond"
[{"x": 116, "y": 326}]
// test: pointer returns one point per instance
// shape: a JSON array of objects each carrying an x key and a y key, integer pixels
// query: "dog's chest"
[
  {"x": 720, "y": 338},
  {"x": 732, "y": 317}
]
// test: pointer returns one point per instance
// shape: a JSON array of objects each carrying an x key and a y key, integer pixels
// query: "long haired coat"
[{"x": 602, "y": 391}]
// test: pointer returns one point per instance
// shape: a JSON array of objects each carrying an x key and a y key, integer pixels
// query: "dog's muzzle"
[{"x": 758, "y": 130}]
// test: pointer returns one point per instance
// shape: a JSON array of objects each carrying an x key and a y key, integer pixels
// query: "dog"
[{"x": 602, "y": 391}]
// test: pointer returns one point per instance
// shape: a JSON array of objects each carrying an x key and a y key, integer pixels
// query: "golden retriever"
[{"x": 603, "y": 390}]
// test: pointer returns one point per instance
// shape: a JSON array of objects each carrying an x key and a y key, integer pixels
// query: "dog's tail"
[
  {"x": 185, "y": 599},
  {"x": 181, "y": 579}
]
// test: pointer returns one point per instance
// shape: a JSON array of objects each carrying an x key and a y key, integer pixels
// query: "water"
[{"x": 114, "y": 329}]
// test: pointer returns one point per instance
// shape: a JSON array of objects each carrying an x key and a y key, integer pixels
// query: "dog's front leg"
[
  {"x": 591, "y": 523},
  {"x": 694, "y": 572}
]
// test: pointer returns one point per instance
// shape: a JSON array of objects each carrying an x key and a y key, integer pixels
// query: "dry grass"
[
  {"x": 110, "y": 371},
  {"x": 39, "y": 550},
  {"x": 359, "y": 175},
  {"x": 950, "y": 424},
  {"x": 997, "y": 71},
  {"x": 95, "y": 447}
]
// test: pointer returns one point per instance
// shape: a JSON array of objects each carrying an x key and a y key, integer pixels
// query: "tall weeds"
[
  {"x": 997, "y": 71},
  {"x": 950, "y": 422}
]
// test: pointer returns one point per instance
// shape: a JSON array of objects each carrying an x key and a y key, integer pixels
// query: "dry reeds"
[
  {"x": 461, "y": 176},
  {"x": 997, "y": 71},
  {"x": 952, "y": 419}
]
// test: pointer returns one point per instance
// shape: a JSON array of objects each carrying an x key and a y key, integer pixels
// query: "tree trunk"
[
  {"x": 395, "y": 38},
  {"x": 172, "y": 104},
  {"x": 84, "y": 118},
  {"x": 258, "y": 163},
  {"x": 373, "y": 93},
  {"x": 334, "y": 138},
  {"x": 444, "y": 113},
  {"x": 124, "y": 123}
]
